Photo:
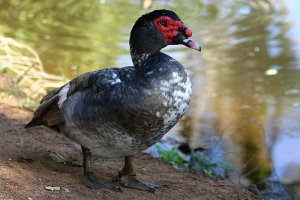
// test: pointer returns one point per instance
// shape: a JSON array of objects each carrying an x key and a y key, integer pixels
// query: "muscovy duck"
[{"x": 118, "y": 112}]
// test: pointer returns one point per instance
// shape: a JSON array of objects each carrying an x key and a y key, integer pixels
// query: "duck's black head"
[{"x": 157, "y": 29}]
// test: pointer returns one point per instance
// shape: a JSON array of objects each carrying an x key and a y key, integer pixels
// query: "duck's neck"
[
  {"x": 139, "y": 59},
  {"x": 142, "y": 46}
]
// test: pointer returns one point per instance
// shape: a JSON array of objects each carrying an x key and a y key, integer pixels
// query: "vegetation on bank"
[
  {"x": 28, "y": 80},
  {"x": 26, "y": 68},
  {"x": 195, "y": 161}
]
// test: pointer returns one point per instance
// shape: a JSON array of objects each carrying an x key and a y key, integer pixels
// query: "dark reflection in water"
[{"x": 246, "y": 81}]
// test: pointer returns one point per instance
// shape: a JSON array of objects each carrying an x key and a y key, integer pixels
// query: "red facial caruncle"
[{"x": 170, "y": 27}]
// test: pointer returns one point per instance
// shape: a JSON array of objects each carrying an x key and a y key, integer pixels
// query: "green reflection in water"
[
  {"x": 265, "y": 45},
  {"x": 72, "y": 36},
  {"x": 243, "y": 70},
  {"x": 244, "y": 41}
]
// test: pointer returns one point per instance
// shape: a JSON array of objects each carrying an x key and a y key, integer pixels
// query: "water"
[{"x": 246, "y": 90}]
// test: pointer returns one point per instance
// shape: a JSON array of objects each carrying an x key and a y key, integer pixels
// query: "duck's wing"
[{"x": 49, "y": 113}]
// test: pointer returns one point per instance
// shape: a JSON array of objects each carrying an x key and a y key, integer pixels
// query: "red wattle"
[
  {"x": 188, "y": 32},
  {"x": 174, "y": 33},
  {"x": 171, "y": 30}
]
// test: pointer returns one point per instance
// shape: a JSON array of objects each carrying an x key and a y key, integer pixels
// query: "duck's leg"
[
  {"x": 128, "y": 178},
  {"x": 89, "y": 179}
]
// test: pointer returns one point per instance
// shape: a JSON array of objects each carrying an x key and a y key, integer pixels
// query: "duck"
[{"x": 119, "y": 112}]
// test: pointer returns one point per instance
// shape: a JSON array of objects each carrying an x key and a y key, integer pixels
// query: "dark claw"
[
  {"x": 155, "y": 185},
  {"x": 91, "y": 181},
  {"x": 131, "y": 181}
]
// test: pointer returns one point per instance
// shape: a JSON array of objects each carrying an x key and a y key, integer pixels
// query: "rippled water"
[{"x": 246, "y": 88}]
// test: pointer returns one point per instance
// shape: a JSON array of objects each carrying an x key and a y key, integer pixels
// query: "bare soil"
[{"x": 26, "y": 168}]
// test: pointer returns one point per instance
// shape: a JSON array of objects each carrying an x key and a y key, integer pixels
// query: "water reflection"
[
  {"x": 70, "y": 36},
  {"x": 237, "y": 100},
  {"x": 238, "y": 111}
]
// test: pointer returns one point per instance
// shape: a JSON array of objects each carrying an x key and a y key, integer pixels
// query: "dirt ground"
[{"x": 26, "y": 168}]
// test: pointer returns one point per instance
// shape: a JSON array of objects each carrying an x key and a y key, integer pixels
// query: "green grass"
[
  {"x": 28, "y": 104},
  {"x": 173, "y": 157},
  {"x": 8, "y": 91},
  {"x": 195, "y": 162},
  {"x": 3, "y": 69}
]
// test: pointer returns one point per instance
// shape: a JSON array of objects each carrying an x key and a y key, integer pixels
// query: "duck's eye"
[{"x": 163, "y": 22}]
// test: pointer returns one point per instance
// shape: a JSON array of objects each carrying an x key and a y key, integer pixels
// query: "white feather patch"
[
  {"x": 115, "y": 79},
  {"x": 179, "y": 99},
  {"x": 63, "y": 94}
]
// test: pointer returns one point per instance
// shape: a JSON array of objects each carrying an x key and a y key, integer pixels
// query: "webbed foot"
[
  {"x": 93, "y": 182},
  {"x": 128, "y": 179},
  {"x": 89, "y": 179},
  {"x": 131, "y": 181}
]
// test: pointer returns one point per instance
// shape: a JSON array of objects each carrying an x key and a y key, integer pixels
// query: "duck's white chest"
[{"x": 177, "y": 93}]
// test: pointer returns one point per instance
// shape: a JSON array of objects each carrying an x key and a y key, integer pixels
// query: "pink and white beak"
[{"x": 183, "y": 38}]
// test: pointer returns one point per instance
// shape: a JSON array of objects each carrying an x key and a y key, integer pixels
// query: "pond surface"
[{"x": 246, "y": 89}]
